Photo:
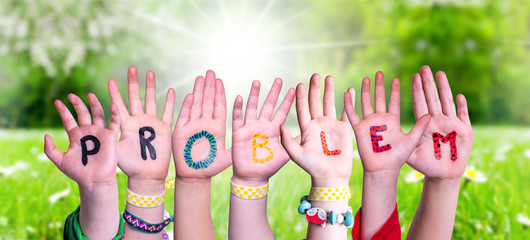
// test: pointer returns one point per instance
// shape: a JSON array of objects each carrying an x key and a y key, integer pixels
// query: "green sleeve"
[{"x": 72, "y": 228}]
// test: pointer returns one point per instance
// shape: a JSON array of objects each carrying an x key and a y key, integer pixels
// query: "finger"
[
  {"x": 302, "y": 109},
  {"x": 395, "y": 98},
  {"x": 135, "y": 103},
  {"x": 97, "y": 111},
  {"x": 343, "y": 116},
  {"x": 68, "y": 120},
  {"x": 209, "y": 95},
  {"x": 429, "y": 88},
  {"x": 418, "y": 129},
  {"x": 462, "y": 109},
  {"x": 446, "y": 97},
  {"x": 315, "y": 107},
  {"x": 285, "y": 106},
  {"x": 83, "y": 116},
  {"x": 169, "y": 107},
  {"x": 366, "y": 101},
  {"x": 418, "y": 97},
  {"x": 329, "y": 97},
  {"x": 150, "y": 94},
  {"x": 220, "y": 100},
  {"x": 379, "y": 93},
  {"x": 292, "y": 147},
  {"x": 185, "y": 110},
  {"x": 114, "y": 124},
  {"x": 237, "y": 114},
  {"x": 252, "y": 103},
  {"x": 198, "y": 90},
  {"x": 115, "y": 97},
  {"x": 349, "y": 107},
  {"x": 271, "y": 100},
  {"x": 54, "y": 154}
]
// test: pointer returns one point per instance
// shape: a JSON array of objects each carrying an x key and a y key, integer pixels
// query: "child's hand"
[
  {"x": 91, "y": 156},
  {"x": 256, "y": 150},
  {"x": 444, "y": 121},
  {"x": 199, "y": 136},
  {"x": 144, "y": 148},
  {"x": 326, "y": 149},
  {"x": 382, "y": 145}
]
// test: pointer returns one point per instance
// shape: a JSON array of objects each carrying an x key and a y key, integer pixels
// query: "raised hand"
[
  {"x": 326, "y": 149},
  {"x": 199, "y": 137},
  {"x": 445, "y": 145},
  {"x": 91, "y": 156},
  {"x": 441, "y": 155},
  {"x": 199, "y": 153},
  {"x": 256, "y": 150},
  {"x": 383, "y": 148},
  {"x": 90, "y": 161},
  {"x": 257, "y": 155},
  {"x": 144, "y": 148},
  {"x": 382, "y": 144}
]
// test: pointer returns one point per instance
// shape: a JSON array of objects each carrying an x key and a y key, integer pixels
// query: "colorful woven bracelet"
[
  {"x": 329, "y": 194},
  {"x": 138, "y": 224},
  {"x": 319, "y": 215},
  {"x": 148, "y": 201},
  {"x": 245, "y": 192}
]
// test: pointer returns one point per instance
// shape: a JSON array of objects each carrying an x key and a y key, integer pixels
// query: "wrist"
[
  {"x": 97, "y": 189},
  {"x": 146, "y": 187},
  {"x": 329, "y": 182},
  {"x": 445, "y": 183},
  {"x": 383, "y": 177},
  {"x": 249, "y": 182}
]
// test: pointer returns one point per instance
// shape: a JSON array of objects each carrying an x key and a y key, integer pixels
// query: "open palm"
[
  {"x": 444, "y": 121},
  {"x": 249, "y": 132},
  {"x": 201, "y": 129},
  {"x": 325, "y": 150},
  {"x": 395, "y": 146},
  {"x": 100, "y": 167},
  {"x": 154, "y": 163}
]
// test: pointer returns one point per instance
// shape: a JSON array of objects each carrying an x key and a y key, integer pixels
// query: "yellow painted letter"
[{"x": 261, "y": 145}]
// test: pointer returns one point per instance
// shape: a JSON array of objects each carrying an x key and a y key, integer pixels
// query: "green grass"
[{"x": 485, "y": 210}]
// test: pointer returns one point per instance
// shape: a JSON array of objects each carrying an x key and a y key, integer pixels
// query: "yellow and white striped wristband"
[
  {"x": 245, "y": 192},
  {"x": 329, "y": 194},
  {"x": 148, "y": 201}
]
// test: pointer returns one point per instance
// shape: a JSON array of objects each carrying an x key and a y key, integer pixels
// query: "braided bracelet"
[
  {"x": 319, "y": 216},
  {"x": 148, "y": 201},
  {"x": 138, "y": 224}
]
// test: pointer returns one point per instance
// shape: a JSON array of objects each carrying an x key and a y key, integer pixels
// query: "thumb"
[
  {"x": 291, "y": 145},
  {"x": 418, "y": 129},
  {"x": 53, "y": 153}
]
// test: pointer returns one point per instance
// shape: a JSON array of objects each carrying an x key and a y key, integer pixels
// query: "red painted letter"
[
  {"x": 451, "y": 138},
  {"x": 377, "y": 138},
  {"x": 325, "y": 146}
]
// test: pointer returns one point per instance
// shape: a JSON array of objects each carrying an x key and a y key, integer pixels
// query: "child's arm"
[
  {"x": 144, "y": 148},
  {"x": 441, "y": 156},
  {"x": 325, "y": 152},
  {"x": 91, "y": 162},
  {"x": 383, "y": 148},
  {"x": 199, "y": 153},
  {"x": 256, "y": 155}
]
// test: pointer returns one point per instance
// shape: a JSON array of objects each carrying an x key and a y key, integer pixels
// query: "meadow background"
[{"x": 51, "y": 48}]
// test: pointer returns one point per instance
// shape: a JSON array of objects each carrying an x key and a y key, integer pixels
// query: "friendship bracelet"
[
  {"x": 319, "y": 216},
  {"x": 329, "y": 194},
  {"x": 148, "y": 201},
  {"x": 138, "y": 224},
  {"x": 245, "y": 192}
]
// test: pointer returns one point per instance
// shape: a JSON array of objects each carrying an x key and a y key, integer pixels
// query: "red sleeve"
[{"x": 389, "y": 231}]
